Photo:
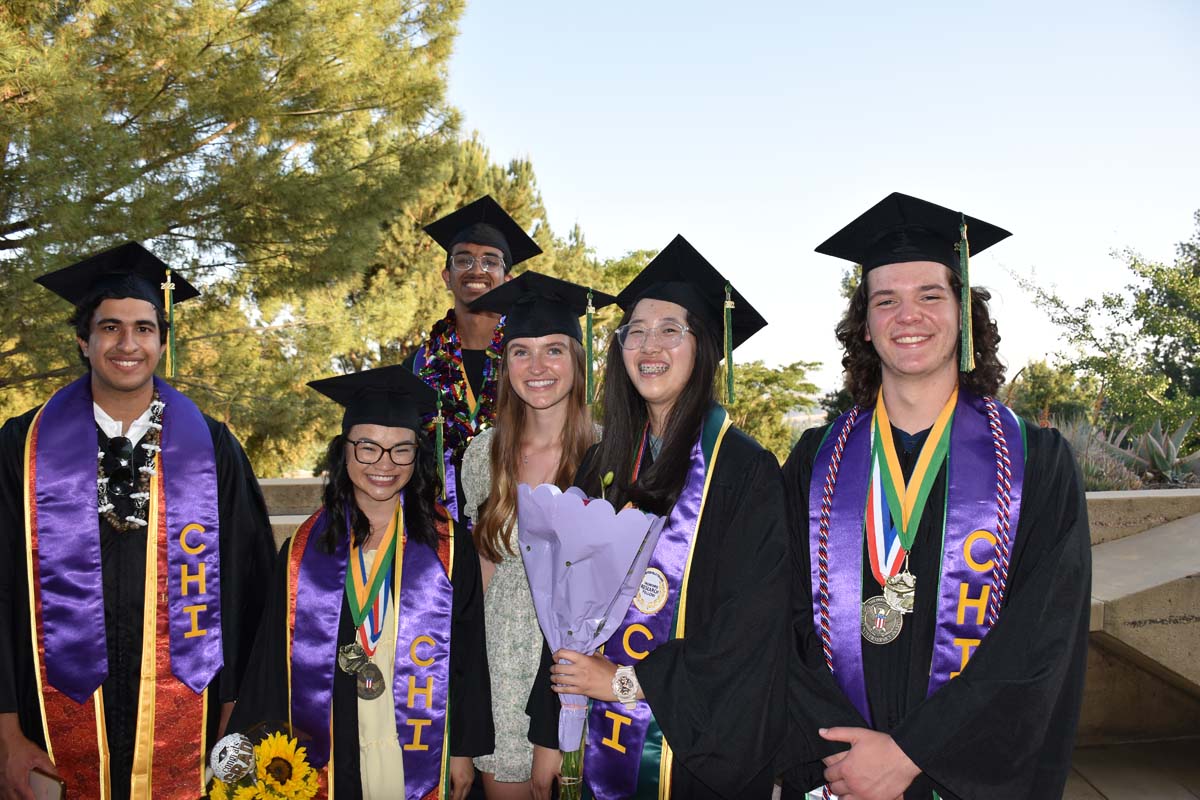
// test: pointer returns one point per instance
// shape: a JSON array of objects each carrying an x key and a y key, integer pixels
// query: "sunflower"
[
  {"x": 282, "y": 769},
  {"x": 219, "y": 790},
  {"x": 246, "y": 793}
]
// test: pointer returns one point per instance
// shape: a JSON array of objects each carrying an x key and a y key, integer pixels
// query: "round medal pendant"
[
  {"x": 351, "y": 658},
  {"x": 900, "y": 591},
  {"x": 370, "y": 681},
  {"x": 881, "y": 623}
]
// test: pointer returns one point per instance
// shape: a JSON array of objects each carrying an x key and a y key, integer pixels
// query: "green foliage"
[
  {"x": 260, "y": 146},
  {"x": 764, "y": 396},
  {"x": 1039, "y": 391},
  {"x": 1102, "y": 470},
  {"x": 1142, "y": 345},
  {"x": 836, "y": 403},
  {"x": 1160, "y": 455}
]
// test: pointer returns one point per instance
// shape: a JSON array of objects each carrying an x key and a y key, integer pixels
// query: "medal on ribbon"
[
  {"x": 368, "y": 593},
  {"x": 891, "y": 500}
]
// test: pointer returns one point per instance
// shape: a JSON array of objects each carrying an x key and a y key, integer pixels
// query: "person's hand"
[
  {"x": 590, "y": 676},
  {"x": 547, "y": 766},
  {"x": 875, "y": 768},
  {"x": 18, "y": 756},
  {"x": 462, "y": 775}
]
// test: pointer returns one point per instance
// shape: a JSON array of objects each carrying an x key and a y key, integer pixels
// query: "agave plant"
[
  {"x": 1158, "y": 454},
  {"x": 1102, "y": 471}
]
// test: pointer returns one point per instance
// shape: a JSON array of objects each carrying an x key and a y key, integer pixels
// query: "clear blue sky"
[{"x": 757, "y": 129}]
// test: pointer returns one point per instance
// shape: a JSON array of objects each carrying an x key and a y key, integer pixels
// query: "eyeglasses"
[
  {"x": 368, "y": 452},
  {"x": 464, "y": 262},
  {"x": 666, "y": 336}
]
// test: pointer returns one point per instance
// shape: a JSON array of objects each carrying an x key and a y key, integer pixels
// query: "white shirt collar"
[{"x": 112, "y": 427}]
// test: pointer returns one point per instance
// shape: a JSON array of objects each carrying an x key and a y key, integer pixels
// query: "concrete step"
[
  {"x": 1115, "y": 515},
  {"x": 1148, "y": 588}
]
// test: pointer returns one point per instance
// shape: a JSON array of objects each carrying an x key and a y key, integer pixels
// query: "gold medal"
[{"x": 881, "y": 623}]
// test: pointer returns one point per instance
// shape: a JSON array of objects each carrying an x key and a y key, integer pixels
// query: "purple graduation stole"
[
  {"x": 183, "y": 627},
  {"x": 626, "y": 753},
  {"x": 985, "y": 475},
  {"x": 420, "y": 686}
]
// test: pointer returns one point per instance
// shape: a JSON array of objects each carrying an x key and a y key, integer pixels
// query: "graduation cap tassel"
[
  {"x": 168, "y": 292},
  {"x": 966, "y": 361},
  {"x": 729, "y": 343},
  {"x": 587, "y": 348},
  {"x": 439, "y": 443}
]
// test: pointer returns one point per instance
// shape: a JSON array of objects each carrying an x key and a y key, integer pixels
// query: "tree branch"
[{"x": 20, "y": 379}]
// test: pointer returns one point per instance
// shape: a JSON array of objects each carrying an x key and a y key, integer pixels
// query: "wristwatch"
[{"x": 625, "y": 686}]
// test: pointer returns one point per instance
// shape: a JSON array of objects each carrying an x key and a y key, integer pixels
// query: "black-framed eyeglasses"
[
  {"x": 463, "y": 262},
  {"x": 368, "y": 452},
  {"x": 666, "y": 335}
]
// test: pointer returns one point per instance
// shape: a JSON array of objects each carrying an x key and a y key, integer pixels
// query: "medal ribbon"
[
  {"x": 362, "y": 590},
  {"x": 907, "y": 497},
  {"x": 626, "y": 754}
]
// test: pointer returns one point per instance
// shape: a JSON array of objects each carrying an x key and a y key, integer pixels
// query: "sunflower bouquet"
[{"x": 276, "y": 768}]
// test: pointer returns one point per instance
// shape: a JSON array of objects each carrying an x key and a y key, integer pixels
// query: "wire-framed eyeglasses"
[
  {"x": 666, "y": 335},
  {"x": 464, "y": 262}
]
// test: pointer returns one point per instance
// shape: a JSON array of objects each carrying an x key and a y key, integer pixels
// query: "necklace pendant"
[
  {"x": 881, "y": 623},
  {"x": 899, "y": 591}
]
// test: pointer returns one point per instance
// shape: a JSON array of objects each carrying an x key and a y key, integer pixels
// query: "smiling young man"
[
  {"x": 942, "y": 562},
  {"x": 134, "y": 542},
  {"x": 462, "y": 354}
]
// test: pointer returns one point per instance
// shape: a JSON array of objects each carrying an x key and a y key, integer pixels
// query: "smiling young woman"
[
  {"x": 377, "y": 591},
  {"x": 543, "y": 427}
]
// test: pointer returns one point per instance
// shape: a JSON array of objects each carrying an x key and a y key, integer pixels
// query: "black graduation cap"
[
  {"x": 539, "y": 305},
  {"x": 485, "y": 222},
  {"x": 391, "y": 396},
  {"x": 679, "y": 274},
  {"x": 901, "y": 228},
  {"x": 128, "y": 270}
]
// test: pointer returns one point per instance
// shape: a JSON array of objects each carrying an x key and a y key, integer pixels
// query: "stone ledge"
[{"x": 1115, "y": 515}]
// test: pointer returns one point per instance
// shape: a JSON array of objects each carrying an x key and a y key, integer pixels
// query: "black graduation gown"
[
  {"x": 246, "y": 544},
  {"x": 1005, "y": 727},
  {"x": 264, "y": 696},
  {"x": 719, "y": 693}
]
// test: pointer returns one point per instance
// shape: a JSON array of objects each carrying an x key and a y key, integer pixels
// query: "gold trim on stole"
[{"x": 666, "y": 761}]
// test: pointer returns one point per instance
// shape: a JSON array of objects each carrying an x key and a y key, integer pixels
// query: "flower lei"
[
  {"x": 140, "y": 498},
  {"x": 443, "y": 371}
]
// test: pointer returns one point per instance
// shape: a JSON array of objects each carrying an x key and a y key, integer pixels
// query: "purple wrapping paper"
[{"x": 584, "y": 562}]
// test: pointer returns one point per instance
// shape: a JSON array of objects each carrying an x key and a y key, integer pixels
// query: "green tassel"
[
  {"x": 966, "y": 360},
  {"x": 587, "y": 349},
  {"x": 729, "y": 344},
  {"x": 440, "y": 444},
  {"x": 168, "y": 302}
]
